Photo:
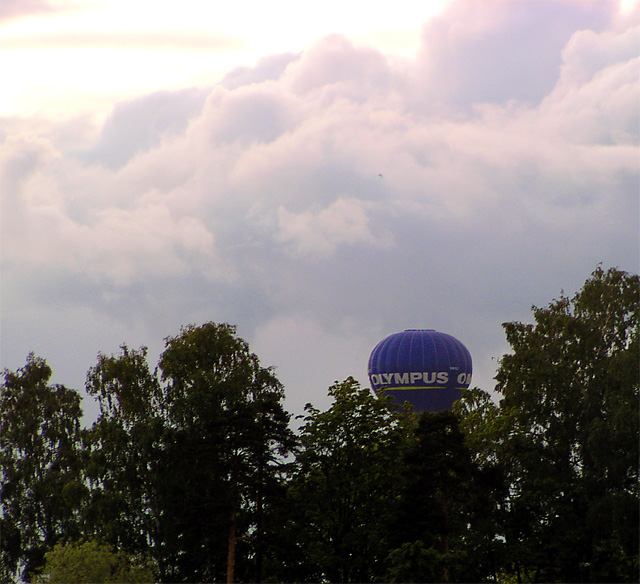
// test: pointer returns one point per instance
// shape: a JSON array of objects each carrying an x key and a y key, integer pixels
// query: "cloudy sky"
[{"x": 319, "y": 174}]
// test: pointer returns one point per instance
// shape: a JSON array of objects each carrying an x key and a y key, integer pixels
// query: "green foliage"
[
  {"x": 483, "y": 423},
  {"x": 92, "y": 563},
  {"x": 415, "y": 561},
  {"x": 345, "y": 485},
  {"x": 126, "y": 390},
  {"x": 568, "y": 433},
  {"x": 187, "y": 464},
  {"x": 41, "y": 489},
  {"x": 122, "y": 451},
  {"x": 226, "y": 438},
  {"x": 443, "y": 530}
]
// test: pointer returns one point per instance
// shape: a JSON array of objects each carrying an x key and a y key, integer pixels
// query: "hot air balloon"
[{"x": 424, "y": 367}]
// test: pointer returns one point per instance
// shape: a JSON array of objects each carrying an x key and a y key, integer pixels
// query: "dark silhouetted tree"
[
  {"x": 568, "y": 435},
  {"x": 41, "y": 488},
  {"x": 123, "y": 450},
  {"x": 227, "y": 435},
  {"x": 345, "y": 486},
  {"x": 186, "y": 465},
  {"x": 443, "y": 530}
]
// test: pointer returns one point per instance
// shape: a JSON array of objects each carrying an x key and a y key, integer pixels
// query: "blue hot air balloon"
[{"x": 422, "y": 366}]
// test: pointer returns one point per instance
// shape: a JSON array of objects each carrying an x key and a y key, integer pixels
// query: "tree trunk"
[
  {"x": 259, "y": 539},
  {"x": 445, "y": 536},
  {"x": 231, "y": 550}
]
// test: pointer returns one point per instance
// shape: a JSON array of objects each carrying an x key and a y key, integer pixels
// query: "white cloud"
[
  {"x": 337, "y": 195},
  {"x": 588, "y": 52},
  {"x": 496, "y": 51},
  {"x": 344, "y": 222}
]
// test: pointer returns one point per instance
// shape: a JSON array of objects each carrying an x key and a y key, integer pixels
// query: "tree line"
[{"x": 192, "y": 473}]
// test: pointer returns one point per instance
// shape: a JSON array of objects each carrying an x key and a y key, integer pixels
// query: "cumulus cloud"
[
  {"x": 268, "y": 68},
  {"x": 344, "y": 222},
  {"x": 498, "y": 51},
  {"x": 339, "y": 195},
  {"x": 140, "y": 124}
]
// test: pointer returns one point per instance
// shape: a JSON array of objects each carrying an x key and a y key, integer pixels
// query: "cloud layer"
[{"x": 326, "y": 199}]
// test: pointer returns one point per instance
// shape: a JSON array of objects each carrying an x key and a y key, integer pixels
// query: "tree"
[
  {"x": 344, "y": 486},
  {"x": 227, "y": 434},
  {"x": 443, "y": 530},
  {"x": 123, "y": 449},
  {"x": 185, "y": 462},
  {"x": 41, "y": 488},
  {"x": 90, "y": 562},
  {"x": 569, "y": 435}
]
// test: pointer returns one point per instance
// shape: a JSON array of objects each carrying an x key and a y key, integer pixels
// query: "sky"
[{"x": 320, "y": 175}]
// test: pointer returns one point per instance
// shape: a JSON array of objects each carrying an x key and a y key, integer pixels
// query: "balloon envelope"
[{"x": 427, "y": 368}]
